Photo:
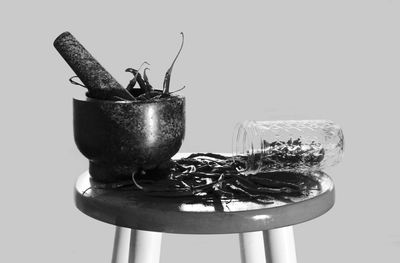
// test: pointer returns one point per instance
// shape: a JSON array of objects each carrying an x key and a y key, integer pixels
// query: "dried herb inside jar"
[{"x": 283, "y": 156}]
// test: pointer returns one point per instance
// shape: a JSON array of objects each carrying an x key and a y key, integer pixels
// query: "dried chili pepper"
[
  {"x": 146, "y": 81},
  {"x": 167, "y": 77},
  {"x": 136, "y": 78}
]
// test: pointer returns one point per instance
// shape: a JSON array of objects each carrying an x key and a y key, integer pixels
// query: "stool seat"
[{"x": 127, "y": 207}]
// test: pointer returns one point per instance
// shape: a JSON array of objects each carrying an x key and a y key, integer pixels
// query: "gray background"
[{"x": 337, "y": 60}]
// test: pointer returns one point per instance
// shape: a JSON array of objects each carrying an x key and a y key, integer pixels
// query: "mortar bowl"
[{"x": 121, "y": 137}]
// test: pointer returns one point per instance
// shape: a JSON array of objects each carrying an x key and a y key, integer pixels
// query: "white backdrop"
[{"x": 260, "y": 60}]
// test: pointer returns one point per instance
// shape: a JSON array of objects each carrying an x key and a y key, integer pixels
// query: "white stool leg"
[
  {"x": 145, "y": 247},
  {"x": 121, "y": 245},
  {"x": 280, "y": 242},
  {"x": 270, "y": 246}
]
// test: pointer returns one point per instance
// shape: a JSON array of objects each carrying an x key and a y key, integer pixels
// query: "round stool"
[{"x": 265, "y": 230}]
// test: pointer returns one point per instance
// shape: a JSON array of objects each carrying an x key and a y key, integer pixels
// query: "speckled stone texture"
[
  {"x": 100, "y": 83},
  {"x": 121, "y": 137}
]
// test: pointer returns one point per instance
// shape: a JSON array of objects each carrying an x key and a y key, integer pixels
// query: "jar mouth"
[
  {"x": 239, "y": 135},
  {"x": 246, "y": 142}
]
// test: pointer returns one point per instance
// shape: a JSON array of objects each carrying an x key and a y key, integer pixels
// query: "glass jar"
[{"x": 261, "y": 146}]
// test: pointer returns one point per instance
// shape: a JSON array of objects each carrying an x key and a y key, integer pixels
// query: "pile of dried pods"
[{"x": 206, "y": 175}]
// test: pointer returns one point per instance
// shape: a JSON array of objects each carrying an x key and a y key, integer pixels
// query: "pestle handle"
[{"x": 99, "y": 82}]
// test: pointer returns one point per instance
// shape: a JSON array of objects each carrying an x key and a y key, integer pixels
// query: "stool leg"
[
  {"x": 121, "y": 245},
  {"x": 270, "y": 246},
  {"x": 145, "y": 247}
]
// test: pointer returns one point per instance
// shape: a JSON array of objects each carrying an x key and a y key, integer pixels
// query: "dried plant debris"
[
  {"x": 145, "y": 92},
  {"x": 212, "y": 174},
  {"x": 137, "y": 78},
  {"x": 290, "y": 155},
  {"x": 167, "y": 77},
  {"x": 207, "y": 176}
]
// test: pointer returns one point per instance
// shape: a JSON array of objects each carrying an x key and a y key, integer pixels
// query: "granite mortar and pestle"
[{"x": 117, "y": 133}]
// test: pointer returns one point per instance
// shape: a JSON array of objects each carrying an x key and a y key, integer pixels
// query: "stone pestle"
[{"x": 100, "y": 84}]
